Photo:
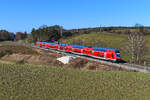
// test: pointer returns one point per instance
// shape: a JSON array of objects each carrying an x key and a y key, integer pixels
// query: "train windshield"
[{"x": 117, "y": 51}]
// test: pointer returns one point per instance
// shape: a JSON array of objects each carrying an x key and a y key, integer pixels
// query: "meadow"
[
  {"x": 29, "y": 82},
  {"x": 105, "y": 39}
]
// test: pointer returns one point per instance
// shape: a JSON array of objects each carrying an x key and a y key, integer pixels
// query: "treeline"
[
  {"x": 54, "y": 33},
  {"x": 51, "y": 33},
  {"x": 113, "y": 30},
  {"x": 5, "y": 35},
  {"x": 21, "y": 36},
  {"x": 9, "y": 36}
]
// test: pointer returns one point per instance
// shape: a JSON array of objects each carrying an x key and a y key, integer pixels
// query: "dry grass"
[{"x": 10, "y": 49}]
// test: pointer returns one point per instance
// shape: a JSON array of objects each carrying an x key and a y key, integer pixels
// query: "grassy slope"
[
  {"x": 109, "y": 39},
  {"x": 24, "y": 82},
  {"x": 148, "y": 45}
]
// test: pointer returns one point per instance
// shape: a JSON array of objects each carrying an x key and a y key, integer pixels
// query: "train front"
[{"x": 118, "y": 55}]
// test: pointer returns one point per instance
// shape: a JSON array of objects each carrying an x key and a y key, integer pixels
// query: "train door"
[
  {"x": 110, "y": 55},
  {"x": 68, "y": 48},
  {"x": 87, "y": 51}
]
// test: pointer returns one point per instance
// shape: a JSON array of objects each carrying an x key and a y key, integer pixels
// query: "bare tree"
[
  {"x": 141, "y": 47},
  {"x": 135, "y": 46},
  {"x": 61, "y": 31}
]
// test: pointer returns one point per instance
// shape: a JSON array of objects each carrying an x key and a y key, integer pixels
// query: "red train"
[{"x": 96, "y": 52}]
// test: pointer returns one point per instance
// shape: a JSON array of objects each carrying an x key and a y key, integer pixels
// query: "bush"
[
  {"x": 21, "y": 62},
  {"x": 6, "y": 52}
]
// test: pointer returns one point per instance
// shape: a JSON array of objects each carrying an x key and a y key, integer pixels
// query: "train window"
[
  {"x": 118, "y": 55},
  {"x": 112, "y": 55},
  {"x": 78, "y": 51},
  {"x": 100, "y": 55},
  {"x": 117, "y": 51}
]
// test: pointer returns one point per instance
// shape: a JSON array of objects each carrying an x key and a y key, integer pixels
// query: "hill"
[
  {"x": 105, "y": 39},
  {"x": 26, "y": 82},
  {"x": 112, "y": 29}
]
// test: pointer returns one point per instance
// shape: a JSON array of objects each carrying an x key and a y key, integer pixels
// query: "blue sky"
[{"x": 23, "y": 15}]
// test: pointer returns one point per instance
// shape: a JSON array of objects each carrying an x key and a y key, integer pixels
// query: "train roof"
[
  {"x": 74, "y": 46},
  {"x": 52, "y": 43},
  {"x": 44, "y": 42},
  {"x": 104, "y": 49},
  {"x": 62, "y": 44},
  {"x": 78, "y": 46},
  {"x": 38, "y": 42},
  {"x": 82, "y": 46}
]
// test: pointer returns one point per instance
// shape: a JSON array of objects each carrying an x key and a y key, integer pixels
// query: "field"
[{"x": 26, "y": 82}]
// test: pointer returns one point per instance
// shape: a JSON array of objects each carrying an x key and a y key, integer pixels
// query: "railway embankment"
[
  {"x": 124, "y": 66},
  {"x": 23, "y": 55}
]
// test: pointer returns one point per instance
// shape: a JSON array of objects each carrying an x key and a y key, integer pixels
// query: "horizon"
[
  {"x": 77, "y": 28},
  {"x": 20, "y": 16}
]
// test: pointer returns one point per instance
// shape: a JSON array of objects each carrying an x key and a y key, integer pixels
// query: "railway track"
[{"x": 127, "y": 66}]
